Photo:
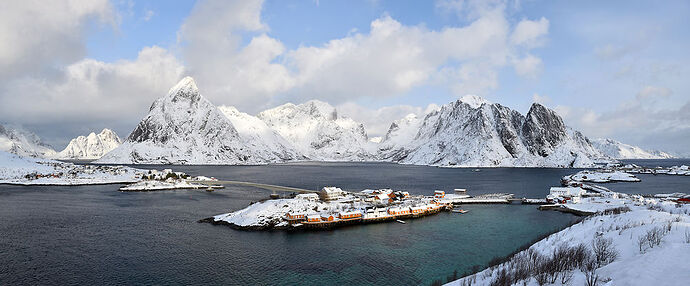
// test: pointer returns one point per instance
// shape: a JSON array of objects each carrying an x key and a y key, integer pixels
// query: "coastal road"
[{"x": 258, "y": 185}]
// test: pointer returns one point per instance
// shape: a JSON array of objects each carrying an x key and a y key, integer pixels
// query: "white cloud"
[
  {"x": 36, "y": 36},
  {"x": 653, "y": 92},
  {"x": 89, "y": 92},
  {"x": 389, "y": 60},
  {"x": 377, "y": 121},
  {"x": 529, "y": 66},
  {"x": 639, "y": 122},
  {"x": 530, "y": 33}
]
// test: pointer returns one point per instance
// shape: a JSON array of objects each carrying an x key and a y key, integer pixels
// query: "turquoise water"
[{"x": 97, "y": 235}]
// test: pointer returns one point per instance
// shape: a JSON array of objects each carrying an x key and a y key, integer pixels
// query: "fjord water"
[{"x": 97, "y": 235}]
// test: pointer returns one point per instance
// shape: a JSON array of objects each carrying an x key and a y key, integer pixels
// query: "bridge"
[{"x": 274, "y": 188}]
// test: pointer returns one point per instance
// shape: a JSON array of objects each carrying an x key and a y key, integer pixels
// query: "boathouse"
[
  {"x": 295, "y": 216},
  {"x": 439, "y": 194},
  {"x": 327, "y": 217},
  {"x": 349, "y": 215},
  {"x": 313, "y": 218}
]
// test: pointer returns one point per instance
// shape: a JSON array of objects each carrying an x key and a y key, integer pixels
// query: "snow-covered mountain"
[
  {"x": 256, "y": 133},
  {"x": 317, "y": 131},
  {"x": 22, "y": 142},
  {"x": 618, "y": 150},
  {"x": 92, "y": 146},
  {"x": 183, "y": 127},
  {"x": 474, "y": 132}
]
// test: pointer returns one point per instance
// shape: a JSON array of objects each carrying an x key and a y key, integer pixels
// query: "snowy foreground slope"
[
  {"x": 21, "y": 142},
  {"x": 317, "y": 130},
  {"x": 473, "y": 132},
  {"x": 183, "y": 127},
  {"x": 618, "y": 150},
  {"x": 651, "y": 243},
  {"x": 15, "y": 169},
  {"x": 92, "y": 146}
]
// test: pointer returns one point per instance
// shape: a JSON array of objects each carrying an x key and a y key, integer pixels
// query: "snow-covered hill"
[
  {"x": 618, "y": 150},
  {"x": 92, "y": 146},
  {"x": 22, "y": 142},
  {"x": 317, "y": 131},
  {"x": 474, "y": 132},
  {"x": 183, "y": 127}
]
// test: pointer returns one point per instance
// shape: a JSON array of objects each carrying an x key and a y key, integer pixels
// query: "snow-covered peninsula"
[{"x": 18, "y": 170}]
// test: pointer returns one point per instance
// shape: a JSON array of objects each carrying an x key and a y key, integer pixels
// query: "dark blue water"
[{"x": 97, "y": 235}]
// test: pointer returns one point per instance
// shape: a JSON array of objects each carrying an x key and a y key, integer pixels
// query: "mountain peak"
[
  {"x": 185, "y": 89},
  {"x": 474, "y": 101}
]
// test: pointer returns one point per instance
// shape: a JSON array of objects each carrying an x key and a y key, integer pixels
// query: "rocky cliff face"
[{"x": 474, "y": 132}]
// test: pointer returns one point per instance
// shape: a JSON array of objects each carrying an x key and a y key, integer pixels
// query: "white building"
[
  {"x": 331, "y": 194},
  {"x": 312, "y": 197}
]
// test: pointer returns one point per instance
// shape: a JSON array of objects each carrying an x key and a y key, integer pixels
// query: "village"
[{"x": 332, "y": 207}]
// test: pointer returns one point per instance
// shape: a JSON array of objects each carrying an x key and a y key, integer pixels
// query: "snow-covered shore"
[
  {"x": 18, "y": 170},
  {"x": 601, "y": 176},
  {"x": 651, "y": 243}
]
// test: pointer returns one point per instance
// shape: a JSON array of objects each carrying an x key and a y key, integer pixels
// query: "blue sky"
[{"x": 610, "y": 68}]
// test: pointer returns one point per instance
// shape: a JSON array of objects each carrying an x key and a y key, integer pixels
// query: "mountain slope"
[
  {"x": 185, "y": 128},
  {"x": 92, "y": 146},
  {"x": 317, "y": 131},
  {"x": 618, "y": 150},
  {"x": 256, "y": 133},
  {"x": 24, "y": 143},
  {"x": 474, "y": 132}
]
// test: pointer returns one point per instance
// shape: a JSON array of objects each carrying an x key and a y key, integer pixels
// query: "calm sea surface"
[{"x": 97, "y": 235}]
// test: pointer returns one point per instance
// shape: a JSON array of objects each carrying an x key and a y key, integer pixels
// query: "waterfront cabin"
[
  {"x": 399, "y": 211},
  {"x": 439, "y": 194},
  {"x": 331, "y": 194},
  {"x": 295, "y": 216},
  {"x": 418, "y": 210},
  {"x": 349, "y": 215},
  {"x": 313, "y": 218},
  {"x": 327, "y": 217},
  {"x": 565, "y": 194},
  {"x": 311, "y": 197}
]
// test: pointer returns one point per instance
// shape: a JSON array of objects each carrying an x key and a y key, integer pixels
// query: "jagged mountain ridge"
[
  {"x": 473, "y": 132},
  {"x": 618, "y": 150},
  {"x": 318, "y": 132},
  {"x": 92, "y": 146},
  {"x": 183, "y": 127},
  {"x": 16, "y": 140}
]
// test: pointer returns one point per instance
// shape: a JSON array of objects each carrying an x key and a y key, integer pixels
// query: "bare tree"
[
  {"x": 604, "y": 252},
  {"x": 589, "y": 268}
]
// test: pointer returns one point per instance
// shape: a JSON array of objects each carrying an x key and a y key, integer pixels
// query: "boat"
[
  {"x": 400, "y": 221},
  {"x": 210, "y": 189},
  {"x": 477, "y": 170},
  {"x": 460, "y": 211}
]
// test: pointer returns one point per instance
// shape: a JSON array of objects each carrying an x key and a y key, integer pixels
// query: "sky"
[{"x": 611, "y": 69}]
